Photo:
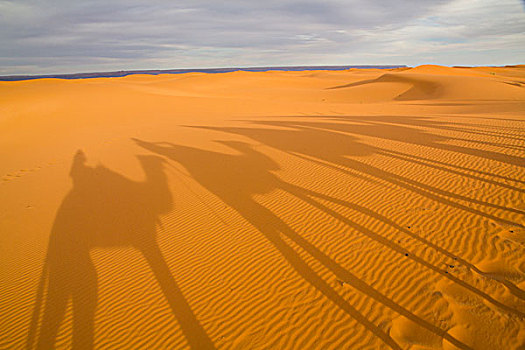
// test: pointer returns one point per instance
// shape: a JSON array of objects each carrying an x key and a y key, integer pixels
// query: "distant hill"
[{"x": 123, "y": 73}]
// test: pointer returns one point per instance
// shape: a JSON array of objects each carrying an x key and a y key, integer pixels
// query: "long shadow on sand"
[
  {"x": 332, "y": 142},
  {"x": 235, "y": 179},
  {"x": 104, "y": 209}
]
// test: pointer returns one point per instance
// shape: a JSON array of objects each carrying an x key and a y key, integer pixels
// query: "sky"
[{"x": 68, "y": 36}]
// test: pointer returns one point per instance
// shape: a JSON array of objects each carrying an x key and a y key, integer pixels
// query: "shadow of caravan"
[{"x": 236, "y": 178}]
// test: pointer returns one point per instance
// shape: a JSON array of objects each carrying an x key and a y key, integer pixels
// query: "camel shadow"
[
  {"x": 334, "y": 143},
  {"x": 104, "y": 209},
  {"x": 235, "y": 179}
]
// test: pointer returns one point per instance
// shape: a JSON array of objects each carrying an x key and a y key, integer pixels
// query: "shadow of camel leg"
[
  {"x": 195, "y": 334},
  {"x": 272, "y": 227},
  {"x": 54, "y": 310}
]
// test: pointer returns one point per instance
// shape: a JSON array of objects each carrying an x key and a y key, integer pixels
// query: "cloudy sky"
[{"x": 65, "y": 36}]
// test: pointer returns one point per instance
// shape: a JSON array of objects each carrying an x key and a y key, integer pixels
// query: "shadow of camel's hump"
[{"x": 106, "y": 209}]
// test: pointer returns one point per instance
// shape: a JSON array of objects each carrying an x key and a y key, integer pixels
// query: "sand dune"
[
  {"x": 424, "y": 83},
  {"x": 360, "y": 209}
]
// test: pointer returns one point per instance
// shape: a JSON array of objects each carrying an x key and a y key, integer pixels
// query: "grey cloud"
[{"x": 65, "y": 36}]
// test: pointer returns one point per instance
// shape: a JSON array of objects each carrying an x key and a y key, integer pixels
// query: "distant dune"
[
  {"x": 123, "y": 73},
  {"x": 283, "y": 209}
]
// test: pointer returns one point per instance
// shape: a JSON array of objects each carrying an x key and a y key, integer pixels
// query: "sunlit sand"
[{"x": 359, "y": 209}]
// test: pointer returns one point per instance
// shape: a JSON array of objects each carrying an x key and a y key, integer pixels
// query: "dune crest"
[{"x": 437, "y": 83}]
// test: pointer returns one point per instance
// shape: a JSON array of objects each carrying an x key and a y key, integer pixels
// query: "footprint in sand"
[
  {"x": 407, "y": 332},
  {"x": 20, "y": 173},
  {"x": 479, "y": 324},
  {"x": 514, "y": 234}
]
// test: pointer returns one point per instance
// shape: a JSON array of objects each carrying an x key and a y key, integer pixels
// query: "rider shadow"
[
  {"x": 236, "y": 178},
  {"x": 104, "y": 209},
  {"x": 333, "y": 145}
]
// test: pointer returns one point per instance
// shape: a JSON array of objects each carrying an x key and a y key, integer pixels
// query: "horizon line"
[
  {"x": 218, "y": 70},
  {"x": 123, "y": 73}
]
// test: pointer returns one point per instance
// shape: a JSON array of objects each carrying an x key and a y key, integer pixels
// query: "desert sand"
[{"x": 359, "y": 209}]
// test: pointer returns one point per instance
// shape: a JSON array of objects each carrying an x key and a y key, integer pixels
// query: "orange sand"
[{"x": 361, "y": 209}]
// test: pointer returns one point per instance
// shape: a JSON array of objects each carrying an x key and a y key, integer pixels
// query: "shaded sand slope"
[{"x": 361, "y": 209}]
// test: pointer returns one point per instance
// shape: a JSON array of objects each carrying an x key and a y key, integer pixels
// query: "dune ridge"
[{"x": 370, "y": 209}]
